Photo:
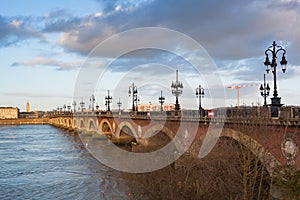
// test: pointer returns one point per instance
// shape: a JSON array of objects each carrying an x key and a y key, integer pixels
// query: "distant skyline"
[{"x": 44, "y": 44}]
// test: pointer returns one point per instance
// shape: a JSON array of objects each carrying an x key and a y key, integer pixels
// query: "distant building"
[
  {"x": 9, "y": 113},
  {"x": 27, "y": 107},
  {"x": 33, "y": 114}
]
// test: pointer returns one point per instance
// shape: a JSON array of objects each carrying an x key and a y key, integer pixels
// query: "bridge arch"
[
  {"x": 157, "y": 135},
  {"x": 266, "y": 158},
  {"x": 104, "y": 126},
  {"x": 92, "y": 125},
  {"x": 123, "y": 125},
  {"x": 156, "y": 128},
  {"x": 81, "y": 124},
  {"x": 74, "y": 123}
]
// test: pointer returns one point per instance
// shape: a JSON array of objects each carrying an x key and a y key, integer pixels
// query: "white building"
[{"x": 9, "y": 113}]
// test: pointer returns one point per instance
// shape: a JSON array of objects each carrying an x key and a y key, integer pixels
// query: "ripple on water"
[{"x": 42, "y": 162}]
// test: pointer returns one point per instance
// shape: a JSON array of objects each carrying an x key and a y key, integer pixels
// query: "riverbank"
[{"x": 23, "y": 121}]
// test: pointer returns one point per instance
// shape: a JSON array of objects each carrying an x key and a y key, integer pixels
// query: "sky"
[{"x": 52, "y": 52}]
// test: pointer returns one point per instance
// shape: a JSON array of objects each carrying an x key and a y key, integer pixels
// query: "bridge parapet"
[{"x": 183, "y": 116}]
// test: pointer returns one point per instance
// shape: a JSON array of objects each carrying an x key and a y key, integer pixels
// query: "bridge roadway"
[{"x": 274, "y": 141}]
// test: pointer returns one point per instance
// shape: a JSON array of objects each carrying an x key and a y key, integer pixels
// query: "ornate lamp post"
[
  {"x": 137, "y": 101},
  {"x": 97, "y": 106},
  {"x": 108, "y": 100},
  {"x": 199, "y": 95},
  {"x": 161, "y": 100},
  {"x": 64, "y": 107},
  {"x": 82, "y": 105},
  {"x": 92, "y": 100},
  {"x": 264, "y": 91},
  {"x": 177, "y": 91},
  {"x": 133, "y": 90},
  {"x": 119, "y": 103},
  {"x": 69, "y": 107},
  {"x": 274, "y": 49},
  {"x": 74, "y": 105}
]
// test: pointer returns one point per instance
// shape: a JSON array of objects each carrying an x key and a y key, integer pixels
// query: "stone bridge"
[{"x": 274, "y": 141}]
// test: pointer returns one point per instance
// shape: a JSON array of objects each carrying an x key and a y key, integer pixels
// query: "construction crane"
[{"x": 238, "y": 87}]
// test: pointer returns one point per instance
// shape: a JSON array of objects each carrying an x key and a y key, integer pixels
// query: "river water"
[{"x": 43, "y": 162}]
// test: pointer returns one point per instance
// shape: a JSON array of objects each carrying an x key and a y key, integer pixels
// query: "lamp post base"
[
  {"x": 201, "y": 112},
  {"x": 177, "y": 107},
  {"x": 275, "y": 104}
]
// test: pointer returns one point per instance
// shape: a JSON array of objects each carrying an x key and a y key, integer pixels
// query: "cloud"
[
  {"x": 13, "y": 30},
  {"x": 60, "y": 25},
  {"x": 59, "y": 20},
  {"x": 252, "y": 70},
  {"x": 235, "y": 34},
  {"x": 59, "y": 65},
  {"x": 236, "y": 30},
  {"x": 117, "y": 5},
  {"x": 35, "y": 95}
]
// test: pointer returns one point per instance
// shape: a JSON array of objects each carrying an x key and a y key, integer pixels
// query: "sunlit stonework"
[{"x": 289, "y": 149}]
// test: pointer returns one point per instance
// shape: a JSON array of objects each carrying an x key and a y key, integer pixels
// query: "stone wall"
[{"x": 21, "y": 121}]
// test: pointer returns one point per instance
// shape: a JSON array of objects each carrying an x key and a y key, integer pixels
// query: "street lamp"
[
  {"x": 74, "y": 105},
  {"x": 69, "y": 107},
  {"x": 161, "y": 100},
  {"x": 137, "y": 101},
  {"x": 97, "y": 106},
  {"x": 108, "y": 100},
  {"x": 177, "y": 91},
  {"x": 119, "y": 103},
  {"x": 64, "y": 107},
  {"x": 274, "y": 49},
  {"x": 264, "y": 91},
  {"x": 92, "y": 100},
  {"x": 82, "y": 105},
  {"x": 199, "y": 95},
  {"x": 134, "y": 91}
]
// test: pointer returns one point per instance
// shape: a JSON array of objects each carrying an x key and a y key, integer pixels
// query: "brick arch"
[
  {"x": 266, "y": 158},
  {"x": 92, "y": 125},
  {"x": 100, "y": 127},
  {"x": 73, "y": 123},
  {"x": 81, "y": 124},
  {"x": 122, "y": 125},
  {"x": 152, "y": 135},
  {"x": 77, "y": 122},
  {"x": 156, "y": 128}
]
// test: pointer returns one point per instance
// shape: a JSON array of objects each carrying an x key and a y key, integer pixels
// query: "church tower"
[{"x": 27, "y": 107}]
